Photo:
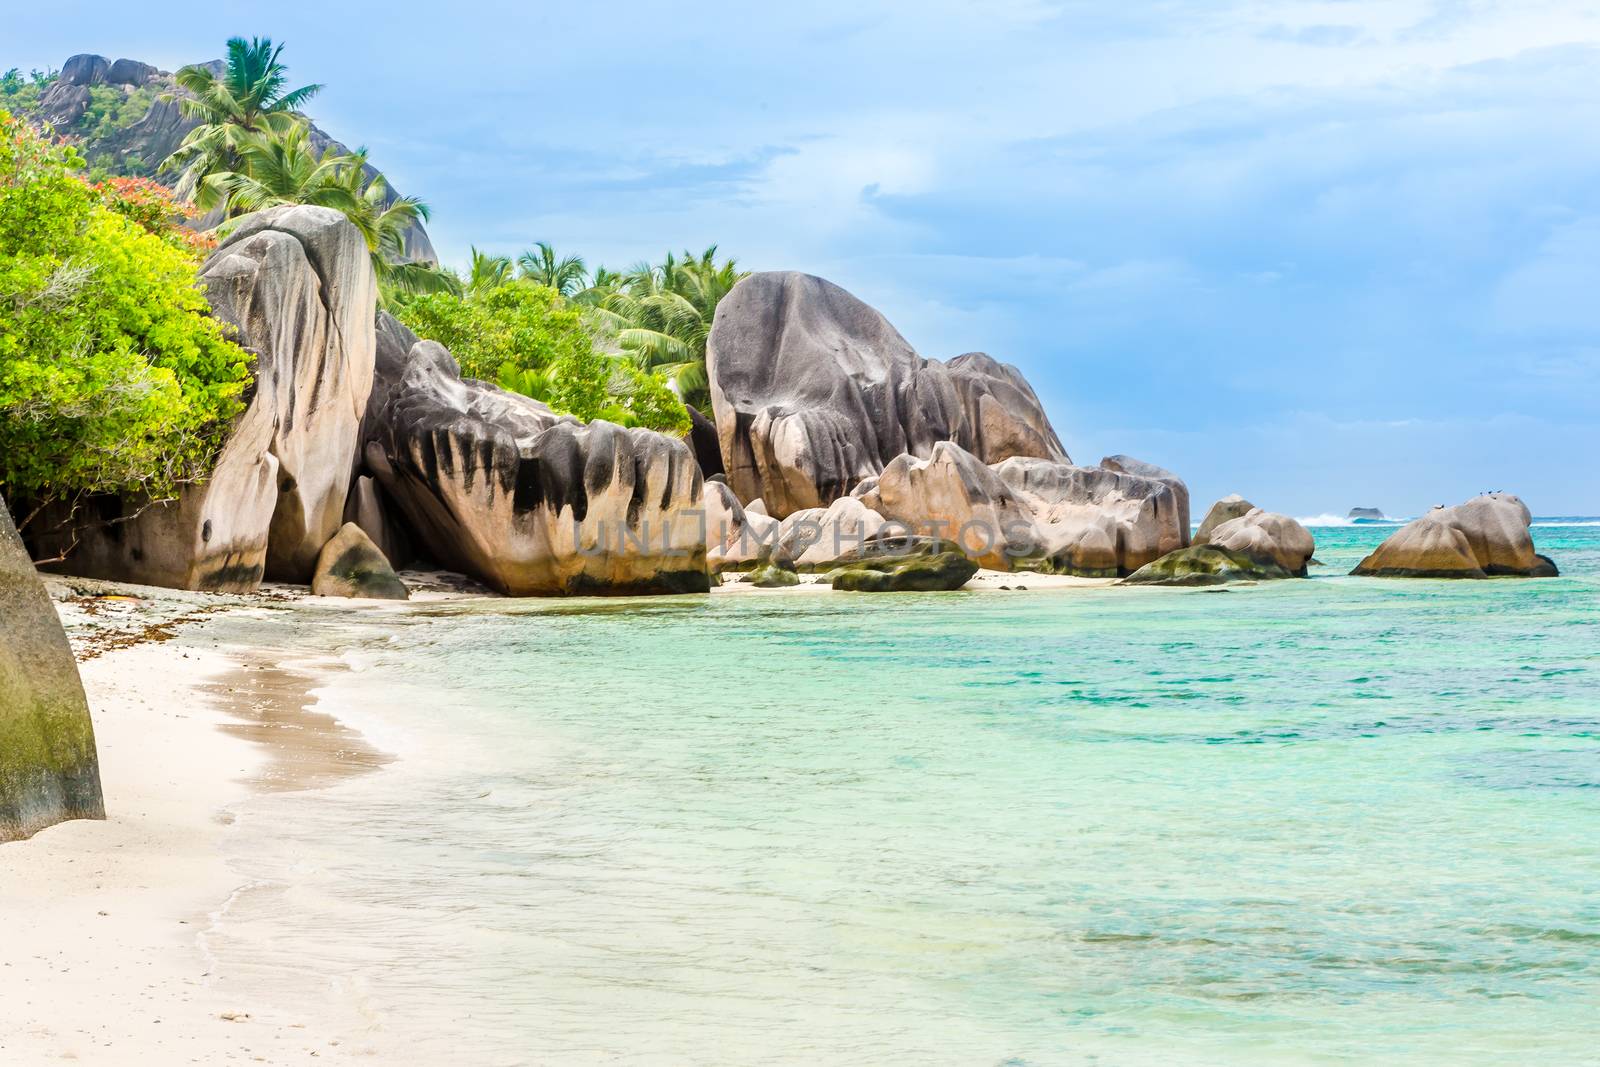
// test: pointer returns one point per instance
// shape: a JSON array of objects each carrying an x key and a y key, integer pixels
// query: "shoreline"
[{"x": 113, "y": 966}]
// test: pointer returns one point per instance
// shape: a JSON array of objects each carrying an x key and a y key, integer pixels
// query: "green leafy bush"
[
  {"x": 113, "y": 378},
  {"x": 528, "y": 339},
  {"x": 20, "y": 92}
]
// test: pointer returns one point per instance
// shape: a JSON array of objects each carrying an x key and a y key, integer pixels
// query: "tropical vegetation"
[
  {"x": 529, "y": 339},
  {"x": 658, "y": 315},
  {"x": 113, "y": 377}
]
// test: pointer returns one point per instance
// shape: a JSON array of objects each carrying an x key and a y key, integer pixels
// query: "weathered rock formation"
[
  {"x": 1206, "y": 565},
  {"x": 1033, "y": 514},
  {"x": 814, "y": 391},
  {"x": 817, "y": 537},
  {"x": 1486, "y": 537},
  {"x": 774, "y": 573},
  {"x": 736, "y": 538},
  {"x": 298, "y": 285},
  {"x": 1229, "y": 507},
  {"x": 49, "y": 771},
  {"x": 1265, "y": 535},
  {"x": 351, "y": 566},
  {"x": 496, "y": 485}
]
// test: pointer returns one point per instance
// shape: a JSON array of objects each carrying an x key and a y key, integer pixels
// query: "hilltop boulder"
[
  {"x": 496, "y": 485},
  {"x": 84, "y": 69},
  {"x": 298, "y": 285},
  {"x": 814, "y": 391},
  {"x": 1486, "y": 537},
  {"x": 49, "y": 770}
]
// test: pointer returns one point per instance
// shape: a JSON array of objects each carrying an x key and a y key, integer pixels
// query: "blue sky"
[{"x": 1324, "y": 254}]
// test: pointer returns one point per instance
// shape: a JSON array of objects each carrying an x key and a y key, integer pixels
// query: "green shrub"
[
  {"x": 528, "y": 339},
  {"x": 113, "y": 378}
]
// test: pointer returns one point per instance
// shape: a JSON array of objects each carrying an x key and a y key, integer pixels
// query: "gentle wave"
[{"x": 1340, "y": 520}]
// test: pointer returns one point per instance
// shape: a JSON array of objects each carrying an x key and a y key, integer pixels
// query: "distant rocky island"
[{"x": 1365, "y": 513}]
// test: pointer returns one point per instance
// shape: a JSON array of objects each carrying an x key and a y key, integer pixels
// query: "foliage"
[
  {"x": 248, "y": 97},
  {"x": 661, "y": 315},
  {"x": 112, "y": 376},
  {"x": 151, "y": 206},
  {"x": 488, "y": 272},
  {"x": 528, "y": 339},
  {"x": 20, "y": 93},
  {"x": 110, "y": 109},
  {"x": 566, "y": 275}
]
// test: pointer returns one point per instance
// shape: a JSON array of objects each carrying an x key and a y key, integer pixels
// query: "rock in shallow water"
[
  {"x": 1266, "y": 535},
  {"x": 922, "y": 572},
  {"x": 1229, "y": 507},
  {"x": 49, "y": 770},
  {"x": 496, "y": 485},
  {"x": 814, "y": 391},
  {"x": 352, "y": 566},
  {"x": 1486, "y": 537},
  {"x": 1206, "y": 565}
]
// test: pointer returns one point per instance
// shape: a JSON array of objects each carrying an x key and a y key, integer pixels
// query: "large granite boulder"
[
  {"x": 84, "y": 69},
  {"x": 496, "y": 485},
  {"x": 1206, "y": 565},
  {"x": 297, "y": 283},
  {"x": 1266, "y": 535},
  {"x": 1229, "y": 507},
  {"x": 351, "y": 566},
  {"x": 1486, "y": 537},
  {"x": 1034, "y": 514},
  {"x": 1099, "y": 522},
  {"x": 1138, "y": 468},
  {"x": 49, "y": 771},
  {"x": 814, "y": 391},
  {"x": 954, "y": 496},
  {"x": 130, "y": 72}
]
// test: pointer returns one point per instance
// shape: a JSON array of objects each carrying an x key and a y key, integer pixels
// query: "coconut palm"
[
  {"x": 247, "y": 96},
  {"x": 567, "y": 275},
  {"x": 488, "y": 272},
  {"x": 661, "y": 315},
  {"x": 275, "y": 168}
]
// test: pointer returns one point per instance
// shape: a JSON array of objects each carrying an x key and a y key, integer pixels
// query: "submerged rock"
[
  {"x": 1206, "y": 565},
  {"x": 352, "y": 566},
  {"x": 773, "y": 573},
  {"x": 1486, "y": 537},
  {"x": 298, "y": 285},
  {"x": 1229, "y": 507},
  {"x": 49, "y": 769},
  {"x": 814, "y": 391},
  {"x": 920, "y": 572},
  {"x": 496, "y": 485},
  {"x": 1266, "y": 535}
]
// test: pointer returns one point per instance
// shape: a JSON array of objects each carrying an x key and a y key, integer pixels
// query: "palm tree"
[
  {"x": 662, "y": 314},
  {"x": 275, "y": 168},
  {"x": 488, "y": 272},
  {"x": 566, "y": 275},
  {"x": 247, "y": 97},
  {"x": 280, "y": 168}
]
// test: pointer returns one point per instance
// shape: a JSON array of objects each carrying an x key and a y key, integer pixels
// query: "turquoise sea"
[{"x": 1318, "y": 822}]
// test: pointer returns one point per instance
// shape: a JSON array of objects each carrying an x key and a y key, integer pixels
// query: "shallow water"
[{"x": 1338, "y": 820}]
